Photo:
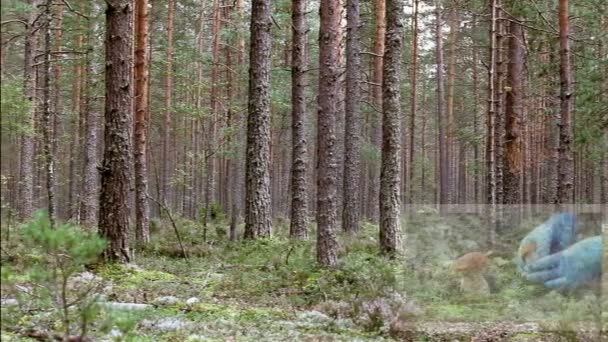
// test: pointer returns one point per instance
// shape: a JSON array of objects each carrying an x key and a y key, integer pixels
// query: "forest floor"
[{"x": 272, "y": 290}]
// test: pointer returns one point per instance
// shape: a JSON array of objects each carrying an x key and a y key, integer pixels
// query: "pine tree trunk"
[
  {"x": 513, "y": 166},
  {"x": 352, "y": 125},
  {"x": 258, "y": 221},
  {"x": 74, "y": 174},
  {"x": 450, "y": 131},
  {"x": 26, "y": 164},
  {"x": 327, "y": 187},
  {"x": 490, "y": 151},
  {"x": 565, "y": 183},
  {"x": 376, "y": 123},
  {"x": 299, "y": 198},
  {"x": 390, "y": 197},
  {"x": 423, "y": 149},
  {"x": 168, "y": 103},
  {"x": 476, "y": 161},
  {"x": 413, "y": 105},
  {"x": 499, "y": 122},
  {"x": 210, "y": 160},
  {"x": 90, "y": 174},
  {"x": 57, "y": 101},
  {"x": 443, "y": 147},
  {"x": 117, "y": 158},
  {"x": 142, "y": 207},
  {"x": 47, "y": 125}
]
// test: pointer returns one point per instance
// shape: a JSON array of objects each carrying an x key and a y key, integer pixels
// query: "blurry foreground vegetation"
[{"x": 273, "y": 289}]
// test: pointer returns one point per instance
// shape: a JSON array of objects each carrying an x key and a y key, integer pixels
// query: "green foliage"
[
  {"x": 50, "y": 276},
  {"x": 64, "y": 244},
  {"x": 14, "y": 107}
]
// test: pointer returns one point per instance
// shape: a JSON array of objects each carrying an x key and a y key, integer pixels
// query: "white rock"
[
  {"x": 133, "y": 267},
  {"x": 115, "y": 333},
  {"x": 166, "y": 301},
  {"x": 192, "y": 300},
  {"x": 127, "y": 306},
  {"x": 313, "y": 316},
  {"x": 6, "y": 302},
  {"x": 100, "y": 297},
  {"x": 166, "y": 324}
]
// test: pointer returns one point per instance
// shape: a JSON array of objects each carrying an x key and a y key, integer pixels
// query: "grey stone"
[
  {"x": 127, "y": 306},
  {"x": 166, "y": 301}
]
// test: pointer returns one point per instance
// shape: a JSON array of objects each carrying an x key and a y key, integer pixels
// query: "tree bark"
[
  {"x": 299, "y": 198},
  {"x": 258, "y": 221},
  {"x": 376, "y": 122},
  {"x": 450, "y": 131},
  {"x": 210, "y": 160},
  {"x": 142, "y": 207},
  {"x": 74, "y": 173},
  {"x": 513, "y": 166},
  {"x": 443, "y": 148},
  {"x": 390, "y": 197},
  {"x": 329, "y": 42},
  {"x": 168, "y": 103},
  {"x": 47, "y": 125},
  {"x": 90, "y": 120},
  {"x": 26, "y": 165},
  {"x": 491, "y": 113},
  {"x": 476, "y": 161},
  {"x": 57, "y": 100},
  {"x": 352, "y": 125},
  {"x": 413, "y": 104},
  {"x": 499, "y": 122},
  {"x": 565, "y": 183},
  {"x": 117, "y": 158}
]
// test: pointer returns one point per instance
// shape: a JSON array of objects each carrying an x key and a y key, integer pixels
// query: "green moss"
[
  {"x": 525, "y": 337},
  {"x": 130, "y": 278},
  {"x": 206, "y": 311},
  {"x": 465, "y": 312}
]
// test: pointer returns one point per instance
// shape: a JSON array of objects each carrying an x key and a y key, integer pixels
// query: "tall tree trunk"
[
  {"x": 413, "y": 104},
  {"x": 499, "y": 122},
  {"x": 352, "y": 125},
  {"x": 491, "y": 114},
  {"x": 423, "y": 149},
  {"x": 168, "y": 103},
  {"x": 258, "y": 221},
  {"x": 327, "y": 187},
  {"x": 210, "y": 159},
  {"x": 56, "y": 98},
  {"x": 390, "y": 197},
  {"x": 142, "y": 207},
  {"x": 490, "y": 151},
  {"x": 299, "y": 198},
  {"x": 117, "y": 158},
  {"x": 513, "y": 166},
  {"x": 74, "y": 174},
  {"x": 443, "y": 148},
  {"x": 47, "y": 125},
  {"x": 565, "y": 183},
  {"x": 90, "y": 121},
  {"x": 376, "y": 123},
  {"x": 450, "y": 131},
  {"x": 476, "y": 161},
  {"x": 26, "y": 164}
]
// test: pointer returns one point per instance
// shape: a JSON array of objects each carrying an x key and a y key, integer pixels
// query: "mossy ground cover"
[{"x": 272, "y": 289}]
